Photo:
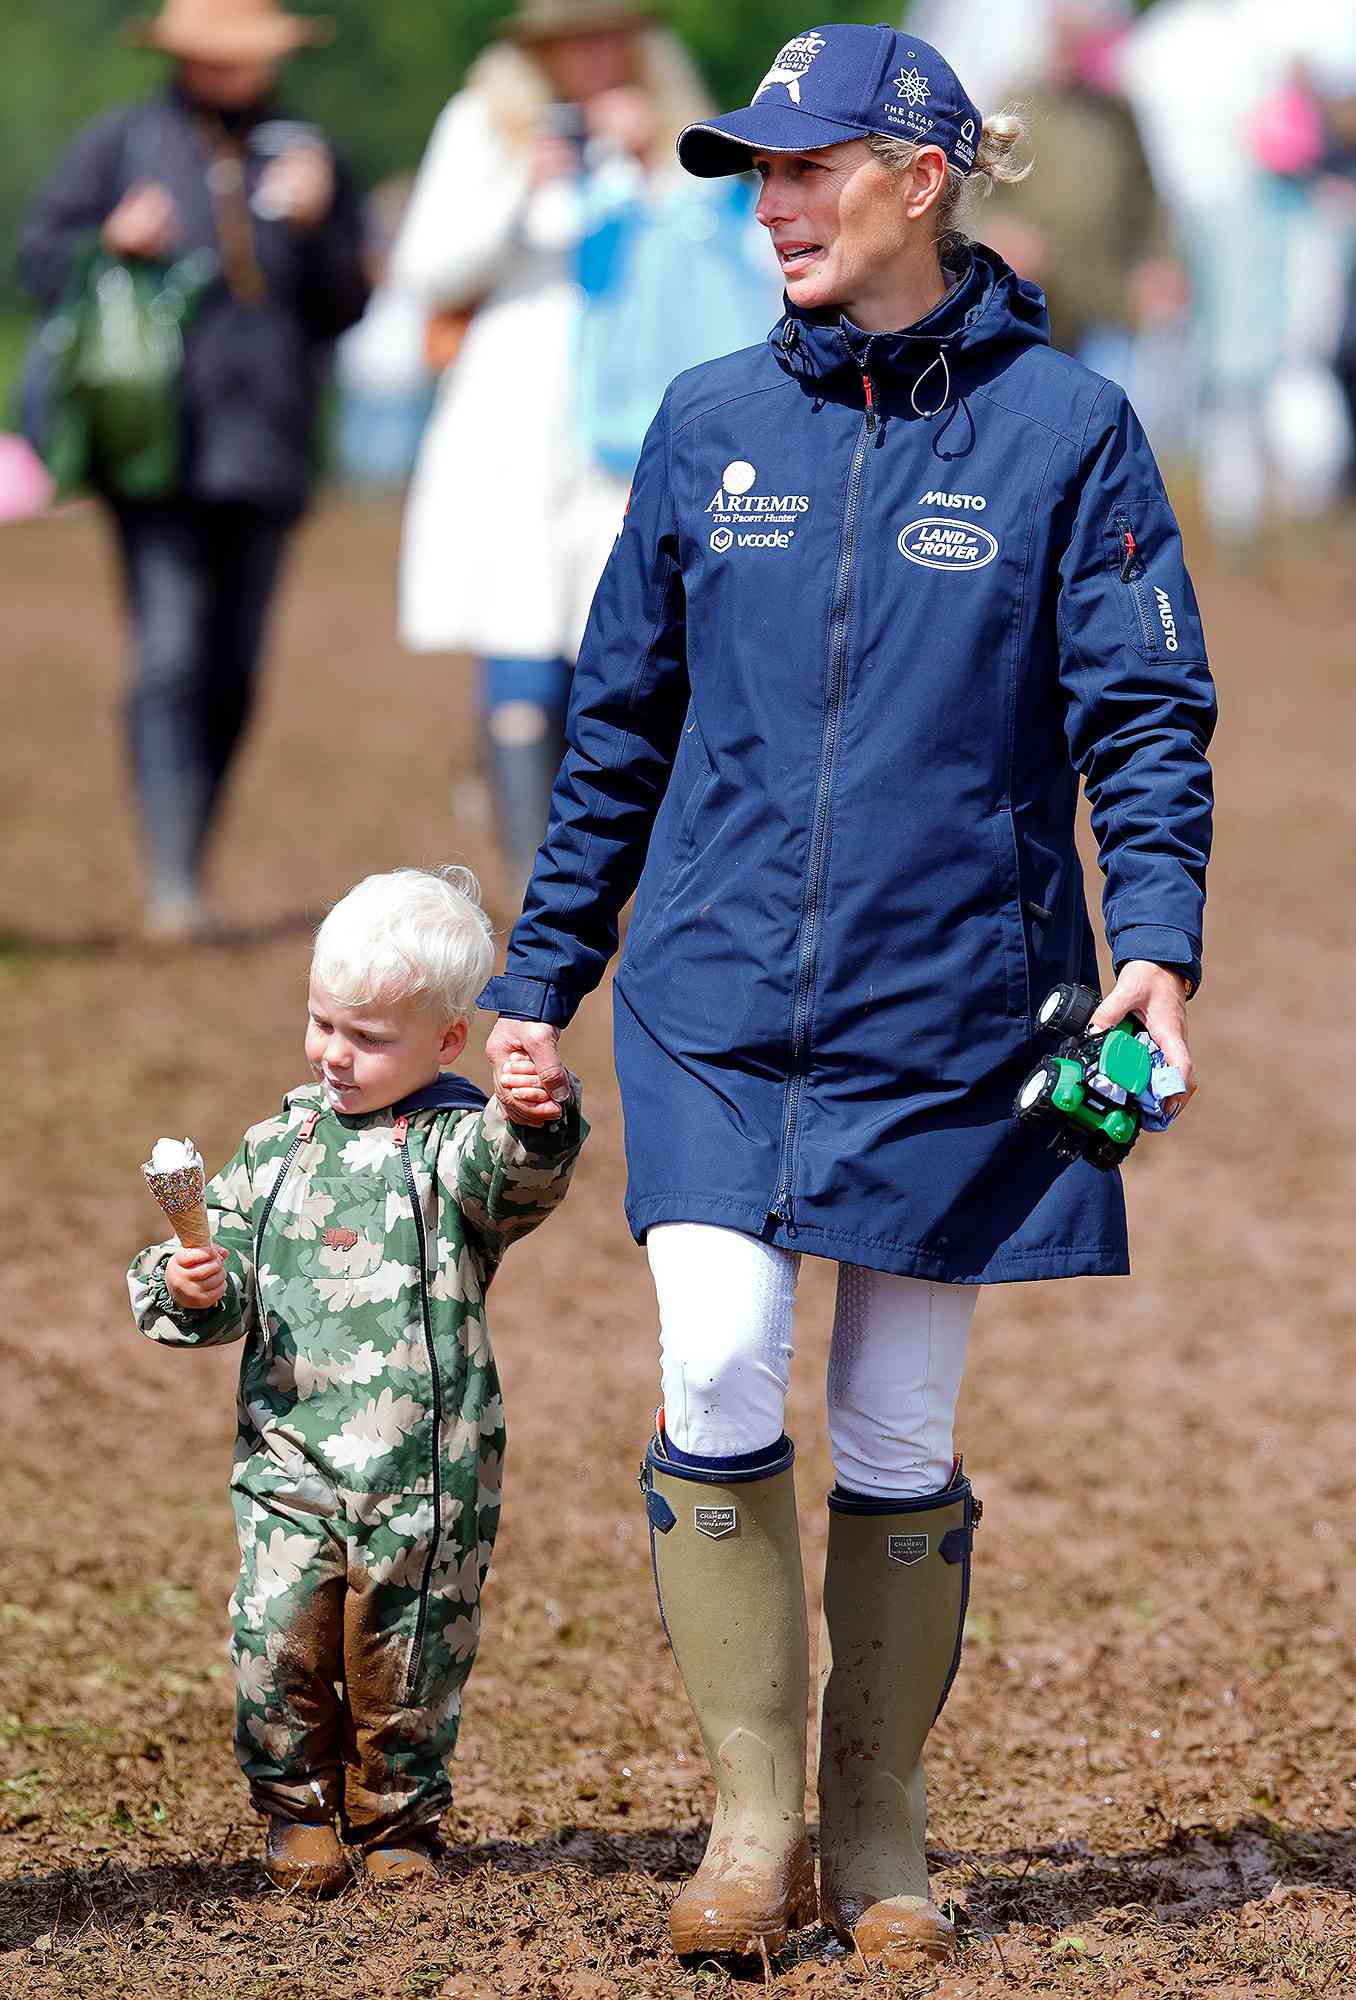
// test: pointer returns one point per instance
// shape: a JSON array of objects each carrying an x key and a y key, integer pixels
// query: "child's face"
[{"x": 370, "y": 1056}]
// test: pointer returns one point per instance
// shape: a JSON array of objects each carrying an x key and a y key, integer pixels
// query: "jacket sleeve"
[
  {"x": 334, "y": 282},
  {"x": 84, "y": 190},
  {"x": 1139, "y": 700},
  {"x": 507, "y": 1178},
  {"x": 627, "y": 704},
  {"x": 230, "y": 1207}
]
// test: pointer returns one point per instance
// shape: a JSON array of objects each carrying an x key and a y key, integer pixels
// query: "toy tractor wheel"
[
  {"x": 1066, "y": 1010},
  {"x": 1035, "y": 1099},
  {"x": 1105, "y": 1153}
]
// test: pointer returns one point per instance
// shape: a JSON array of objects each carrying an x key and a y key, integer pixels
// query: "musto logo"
[
  {"x": 947, "y": 545},
  {"x": 747, "y": 520}
]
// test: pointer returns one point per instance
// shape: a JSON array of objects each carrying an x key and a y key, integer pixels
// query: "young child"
[{"x": 355, "y": 1236}]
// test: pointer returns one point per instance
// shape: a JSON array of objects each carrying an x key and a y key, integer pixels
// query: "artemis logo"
[
  {"x": 975, "y": 502},
  {"x": 744, "y": 519},
  {"x": 1169, "y": 622}
]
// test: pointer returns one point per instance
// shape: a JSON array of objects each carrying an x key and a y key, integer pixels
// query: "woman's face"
[
  {"x": 228, "y": 86},
  {"x": 847, "y": 231},
  {"x": 583, "y": 66}
]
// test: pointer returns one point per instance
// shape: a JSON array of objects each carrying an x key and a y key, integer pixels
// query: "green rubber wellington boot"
[
  {"x": 896, "y": 1583},
  {"x": 732, "y": 1597}
]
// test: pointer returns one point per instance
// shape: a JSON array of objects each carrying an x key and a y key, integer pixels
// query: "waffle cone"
[
  {"x": 181, "y": 1193},
  {"x": 192, "y": 1227}
]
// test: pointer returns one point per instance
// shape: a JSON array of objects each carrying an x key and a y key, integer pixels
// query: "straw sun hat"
[
  {"x": 228, "y": 30},
  {"x": 552, "y": 20}
]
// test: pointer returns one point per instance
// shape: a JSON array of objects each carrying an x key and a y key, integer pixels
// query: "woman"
[
  {"x": 209, "y": 165},
  {"x": 886, "y": 587},
  {"x": 509, "y": 521}
]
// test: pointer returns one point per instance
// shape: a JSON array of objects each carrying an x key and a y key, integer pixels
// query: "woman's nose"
[{"x": 772, "y": 204}]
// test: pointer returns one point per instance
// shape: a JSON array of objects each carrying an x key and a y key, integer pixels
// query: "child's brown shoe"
[
  {"x": 307, "y": 1858},
  {"x": 396, "y": 1864}
]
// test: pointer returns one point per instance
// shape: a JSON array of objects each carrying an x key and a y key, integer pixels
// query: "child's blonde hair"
[{"x": 415, "y": 934}]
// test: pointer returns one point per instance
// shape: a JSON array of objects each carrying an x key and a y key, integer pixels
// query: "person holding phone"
[{"x": 211, "y": 164}]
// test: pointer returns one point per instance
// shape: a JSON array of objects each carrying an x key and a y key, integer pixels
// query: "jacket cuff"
[
  {"x": 567, "y": 1133},
  {"x": 1161, "y": 945},
  {"x": 524, "y": 999}
]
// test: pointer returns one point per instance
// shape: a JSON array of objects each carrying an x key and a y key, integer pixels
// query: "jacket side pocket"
[{"x": 1016, "y": 957}]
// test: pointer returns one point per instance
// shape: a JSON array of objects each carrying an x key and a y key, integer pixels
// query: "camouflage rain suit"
[{"x": 371, "y": 1431}]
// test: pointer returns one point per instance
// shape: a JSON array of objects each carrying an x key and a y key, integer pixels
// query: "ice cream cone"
[{"x": 174, "y": 1175}]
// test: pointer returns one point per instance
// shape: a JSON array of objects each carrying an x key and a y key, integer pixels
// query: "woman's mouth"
[{"x": 794, "y": 257}]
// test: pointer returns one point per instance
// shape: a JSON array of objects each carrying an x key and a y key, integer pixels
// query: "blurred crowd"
[{"x": 529, "y": 292}]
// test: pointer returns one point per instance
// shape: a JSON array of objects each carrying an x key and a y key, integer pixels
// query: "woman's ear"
[
  {"x": 453, "y": 1042},
  {"x": 927, "y": 178}
]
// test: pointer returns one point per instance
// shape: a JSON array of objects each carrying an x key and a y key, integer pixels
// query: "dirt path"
[{"x": 1143, "y": 1780}]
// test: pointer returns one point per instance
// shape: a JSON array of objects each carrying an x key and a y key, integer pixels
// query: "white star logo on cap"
[{"x": 911, "y": 87}]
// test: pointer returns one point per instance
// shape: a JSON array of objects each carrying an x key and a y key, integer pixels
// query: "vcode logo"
[{"x": 937, "y": 544}]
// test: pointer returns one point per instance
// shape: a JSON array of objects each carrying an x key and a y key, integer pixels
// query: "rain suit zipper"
[
  {"x": 1132, "y": 569},
  {"x": 304, "y": 1131},
  {"x": 401, "y": 1135},
  {"x": 783, "y": 1207}
]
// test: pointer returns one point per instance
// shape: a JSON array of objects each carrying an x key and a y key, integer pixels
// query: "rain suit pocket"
[
  {"x": 1016, "y": 958},
  {"x": 1125, "y": 557}
]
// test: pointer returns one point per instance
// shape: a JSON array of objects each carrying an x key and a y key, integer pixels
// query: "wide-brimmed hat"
[
  {"x": 228, "y": 30},
  {"x": 550, "y": 20}
]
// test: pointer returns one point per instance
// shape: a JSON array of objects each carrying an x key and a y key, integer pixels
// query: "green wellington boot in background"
[
  {"x": 732, "y": 1597},
  {"x": 896, "y": 1582}
]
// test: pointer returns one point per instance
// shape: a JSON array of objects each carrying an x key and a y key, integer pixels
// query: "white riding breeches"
[{"x": 726, "y": 1323}]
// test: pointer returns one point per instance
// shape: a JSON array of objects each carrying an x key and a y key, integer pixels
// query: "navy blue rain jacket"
[{"x": 879, "y": 600}]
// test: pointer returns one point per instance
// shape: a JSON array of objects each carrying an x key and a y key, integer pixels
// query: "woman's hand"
[
  {"x": 1159, "y": 997},
  {"x": 521, "y": 1051},
  {"x": 145, "y": 223},
  {"x": 196, "y": 1279}
]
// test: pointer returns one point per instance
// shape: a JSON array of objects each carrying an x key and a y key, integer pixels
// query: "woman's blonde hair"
[
  {"x": 994, "y": 167},
  {"x": 518, "y": 90}
]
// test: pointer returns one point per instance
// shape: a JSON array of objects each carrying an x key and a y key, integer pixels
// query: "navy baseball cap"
[{"x": 835, "y": 83}]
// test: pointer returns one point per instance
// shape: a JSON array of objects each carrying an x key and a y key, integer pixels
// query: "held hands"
[
  {"x": 145, "y": 223},
  {"x": 196, "y": 1279},
  {"x": 529, "y": 1077},
  {"x": 1158, "y": 996}
]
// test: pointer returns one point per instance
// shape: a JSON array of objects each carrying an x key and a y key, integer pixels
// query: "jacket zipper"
[
  {"x": 304, "y": 1131},
  {"x": 1132, "y": 569},
  {"x": 401, "y": 1135},
  {"x": 783, "y": 1207}
]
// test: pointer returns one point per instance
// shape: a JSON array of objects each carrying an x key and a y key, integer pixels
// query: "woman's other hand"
[
  {"x": 1159, "y": 997},
  {"x": 521, "y": 1051},
  {"x": 145, "y": 223},
  {"x": 298, "y": 186},
  {"x": 196, "y": 1279}
]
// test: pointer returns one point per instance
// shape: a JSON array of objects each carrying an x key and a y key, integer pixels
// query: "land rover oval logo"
[{"x": 937, "y": 544}]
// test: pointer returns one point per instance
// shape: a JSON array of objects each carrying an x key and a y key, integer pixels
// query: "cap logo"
[
  {"x": 791, "y": 65},
  {"x": 910, "y": 87}
]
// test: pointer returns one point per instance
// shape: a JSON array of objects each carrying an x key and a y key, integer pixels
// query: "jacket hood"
[
  {"x": 447, "y": 1092},
  {"x": 987, "y": 311}
]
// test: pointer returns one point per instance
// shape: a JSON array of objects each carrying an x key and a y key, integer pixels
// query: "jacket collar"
[
  {"x": 447, "y": 1092},
  {"x": 987, "y": 306}
]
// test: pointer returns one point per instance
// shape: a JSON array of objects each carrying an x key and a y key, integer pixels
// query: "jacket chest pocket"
[
  {"x": 1125, "y": 557},
  {"x": 326, "y": 1251}
]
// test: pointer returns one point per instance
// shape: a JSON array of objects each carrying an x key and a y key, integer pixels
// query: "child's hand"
[
  {"x": 196, "y": 1279},
  {"x": 521, "y": 1093}
]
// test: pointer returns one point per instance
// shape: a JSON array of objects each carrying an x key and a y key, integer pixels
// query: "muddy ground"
[{"x": 1143, "y": 1781}]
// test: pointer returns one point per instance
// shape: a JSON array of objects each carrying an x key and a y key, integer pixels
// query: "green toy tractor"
[{"x": 1087, "y": 1092}]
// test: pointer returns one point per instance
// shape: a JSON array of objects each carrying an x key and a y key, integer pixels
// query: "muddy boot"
[
  {"x": 402, "y": 1861},
  {"x": 732, "y": 1597},
  {"x": 896, "y": 1584},
  {"x": 305, "y": 1857}
]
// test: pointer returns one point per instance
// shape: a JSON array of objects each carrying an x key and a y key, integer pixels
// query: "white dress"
[{"x": 508, "y": 523}]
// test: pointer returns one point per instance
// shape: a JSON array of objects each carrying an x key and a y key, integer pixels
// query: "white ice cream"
[{"x": 168, "y": 1155}]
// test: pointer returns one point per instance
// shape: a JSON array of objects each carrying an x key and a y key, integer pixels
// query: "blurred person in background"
[
  {"x": 535, "y": 173},
  {"x": 381, "y": 365},
  {"x": 1265, "y": 249},
  {"x": 208, "y": 164}
]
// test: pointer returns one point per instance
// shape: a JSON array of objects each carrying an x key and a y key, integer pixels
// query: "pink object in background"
[
  {"x": 1286, "y": 132},
  {"x": 25, "y": 484}
]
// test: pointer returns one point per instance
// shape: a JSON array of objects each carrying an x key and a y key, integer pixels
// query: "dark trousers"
[{"x": 199, "y": 579}]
